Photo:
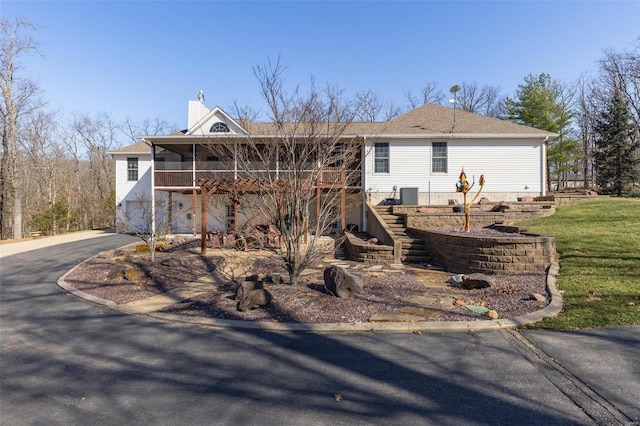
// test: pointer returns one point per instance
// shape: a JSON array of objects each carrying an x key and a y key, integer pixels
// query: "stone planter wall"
[
  {"x": 462, "y": 253},
  {"x": 478, "y": 218},
  {"x": 362, "y": 251},
  {"x": 444, "y": 217}
]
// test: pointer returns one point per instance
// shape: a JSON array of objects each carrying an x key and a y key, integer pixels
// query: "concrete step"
[
  {"x": 383, "y": 210},
  {"x": 414, "y": 251},
  {"x": 393, "y": 219},
  {"x": 414, "y": 259},
  {"x": 397, "y": 227}
]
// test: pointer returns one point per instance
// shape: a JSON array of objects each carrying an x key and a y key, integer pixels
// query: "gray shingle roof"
[
  {"x": 136, "y": 148},
  {"x": 426, "y": 119},
  {"x": 430, "y": 120}
]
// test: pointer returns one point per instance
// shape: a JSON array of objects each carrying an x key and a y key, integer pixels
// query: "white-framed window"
[
  {"x": 381, "y": 157},
  {"x": 132, "y": 169},
  {"x": 439, "y": 157},
  {"x": 219, "y": 128}
]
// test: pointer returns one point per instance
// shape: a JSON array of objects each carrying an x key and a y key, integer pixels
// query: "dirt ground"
[{"x": 416, "y": 289}]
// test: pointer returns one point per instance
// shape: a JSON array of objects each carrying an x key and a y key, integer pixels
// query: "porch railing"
[{"x": 328, "y": 177}]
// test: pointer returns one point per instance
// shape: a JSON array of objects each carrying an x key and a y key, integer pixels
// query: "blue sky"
[{"x": 142, "y": 59}]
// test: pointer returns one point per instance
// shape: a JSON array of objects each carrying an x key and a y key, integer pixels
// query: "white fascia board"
[
  {"x": 130, "y": 153},
  {"x": 441, "y": 136},
  {"x": 215, "y": 111},
  {"x": 189, "y": 139}
]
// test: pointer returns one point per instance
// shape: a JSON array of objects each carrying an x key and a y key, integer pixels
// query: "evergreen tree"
[
  {"x": 617, "y": 143},
  {"x": 543, "y": 103}
]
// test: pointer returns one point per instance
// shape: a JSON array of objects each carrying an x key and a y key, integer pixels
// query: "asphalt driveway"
[{"x": 67, "y": 361}]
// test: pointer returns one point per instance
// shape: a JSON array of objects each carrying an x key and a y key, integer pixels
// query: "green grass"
[{"x": 598, "y": 242}]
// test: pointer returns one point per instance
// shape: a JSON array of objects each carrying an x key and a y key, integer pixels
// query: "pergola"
[{"x": 329, "y": 178}]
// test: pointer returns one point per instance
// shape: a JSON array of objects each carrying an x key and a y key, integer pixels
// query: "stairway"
[{"x": 413, "y": 250}]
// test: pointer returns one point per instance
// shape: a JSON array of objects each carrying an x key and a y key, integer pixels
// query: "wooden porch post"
[
  {"x": 235, "y": 201},
  {"x": 318, "y": 206},
  {"x": 194, "y": 204},
  {"x": 170, "y": 213},
  {"x": 343, "y": 219},
  {"x": 203, "y": 220}
]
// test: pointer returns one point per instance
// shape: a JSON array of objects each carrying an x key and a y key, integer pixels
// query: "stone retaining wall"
[
  {"x": 462, "y": 253},
  {"x": 478, "y": 218},
  {"x": 362, "y": 251}
]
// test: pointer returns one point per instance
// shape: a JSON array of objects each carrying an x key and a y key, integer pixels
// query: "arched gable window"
[{"x": 219, "y": 128}]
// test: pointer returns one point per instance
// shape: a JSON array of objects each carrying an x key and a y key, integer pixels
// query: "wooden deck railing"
[{"x": 329, "y": 177}]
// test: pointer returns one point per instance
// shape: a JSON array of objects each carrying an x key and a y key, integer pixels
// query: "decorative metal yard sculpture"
[{"x": 463, "y": 186}]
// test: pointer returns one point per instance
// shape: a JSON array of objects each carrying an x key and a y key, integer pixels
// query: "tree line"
[{"x": 56, "y": 175}]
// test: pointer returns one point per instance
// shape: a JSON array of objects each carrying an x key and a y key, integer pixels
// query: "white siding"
[
  {"x": 128, "y": 190},
  {"x": 511, "y": 168}
]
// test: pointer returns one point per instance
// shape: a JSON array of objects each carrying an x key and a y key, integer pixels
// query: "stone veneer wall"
[
  {"x": 361, "y": 251},
  {"x": 462, "y": 253}
]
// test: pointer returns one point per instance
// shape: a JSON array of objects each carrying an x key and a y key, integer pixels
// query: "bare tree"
[
  {"x": 281, "y": 170},
  {"x": 621, "y": 71},
  {"x": 428, "y": 94},
  {"x": 244, "y": 114},
  {"x": 147, "y": 126},
  {"x": 138, "y": 217},
  {"x": 96, "y": 136},
  {"x": 485, "y": 100},
  {"x": 370, "y": 106},
  {"x": 43, "y": 169},
  {"x": 392, "y": 110},
  {"x": 20, "y": 98},
  {"x": 585, "y": 119}
]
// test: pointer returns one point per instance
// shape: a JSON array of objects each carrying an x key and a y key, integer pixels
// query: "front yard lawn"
[{"x": 598, "y": 242}]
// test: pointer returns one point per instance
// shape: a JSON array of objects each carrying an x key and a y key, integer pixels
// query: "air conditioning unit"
[{"x": 409, "y": 196}]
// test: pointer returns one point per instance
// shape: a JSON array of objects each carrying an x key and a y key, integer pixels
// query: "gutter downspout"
[
  {"x": 153, "y": 193},
  {"x": 363, "y": 213},
  {"x": 543, "y": 165}
]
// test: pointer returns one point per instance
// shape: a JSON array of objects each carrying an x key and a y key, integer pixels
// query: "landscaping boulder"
[
  {"x": 341, "y": 283},
  {"x": 251, "y": 295},
  {"x": 134, "y": 274},
  {"x": 171, "y": 262},
  {"x": 502, "y": 207},
  {"x": 473, "y": 281},
  {"x": 117, "y": 272},
  {"x": 275, "y": 278},
  {"x": 253, "y": 299},
  {"x": 246, "y": 286},
  {"x": 456, "y": 280}
]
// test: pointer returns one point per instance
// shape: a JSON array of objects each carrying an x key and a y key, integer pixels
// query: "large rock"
[
  {"x": 246, "y": 286},
  {"x": 125, "y": 272},
  {"x": 473, "y": 281},
  {"x": 501, "y": 207},
  {"x": 253, "y": 299},
  {"x": 250, "y": 294},
  {"x": 341, "y": 283},
  {"x": 171, "y": 262}
]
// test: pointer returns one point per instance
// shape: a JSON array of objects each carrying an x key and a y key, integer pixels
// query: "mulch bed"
[{"x": 308, "y": 301}]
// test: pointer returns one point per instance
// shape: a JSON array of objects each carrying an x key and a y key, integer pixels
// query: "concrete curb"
[
  {"x": 552, "y": 309},
  {"x": 81, "y": 294}
]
